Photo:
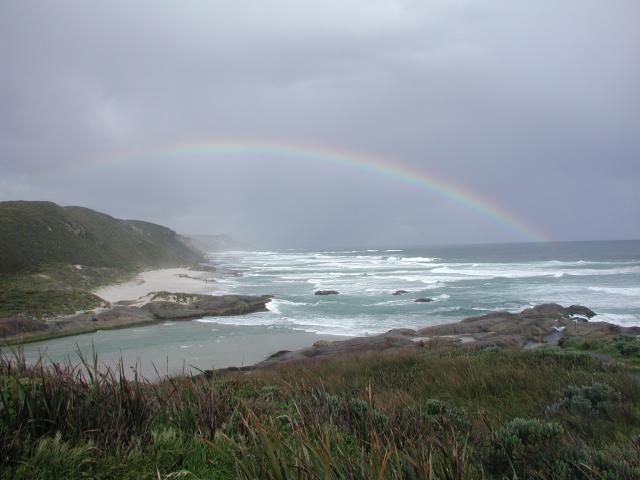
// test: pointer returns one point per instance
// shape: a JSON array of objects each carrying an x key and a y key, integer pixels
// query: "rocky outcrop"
[
  {"x": 121, "y": 316},
  {"x": 325, "y": 349},
  {"x": 546, "y": 324},
  {"x": 326, "y": 292},
  {"x": 208, "y": 306},
  {"x": 16, "y": 325},
  {"x": 399, "y": 292},
  {"x": 423, "y": 300}
]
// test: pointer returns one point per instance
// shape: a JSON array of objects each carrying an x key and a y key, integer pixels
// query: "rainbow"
[{"x": 343, "y": 157}]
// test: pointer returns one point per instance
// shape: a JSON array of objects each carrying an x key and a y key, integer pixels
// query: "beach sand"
[{"x": 175, "y": 280}]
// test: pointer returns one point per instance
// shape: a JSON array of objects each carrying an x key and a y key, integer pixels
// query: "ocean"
[{"x": 461, "y": 281}]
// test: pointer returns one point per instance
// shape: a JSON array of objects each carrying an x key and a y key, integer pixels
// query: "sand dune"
[{"x": 181, "y": 280}]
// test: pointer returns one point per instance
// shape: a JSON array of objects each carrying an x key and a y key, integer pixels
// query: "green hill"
[{"x": 33, "y": 234}]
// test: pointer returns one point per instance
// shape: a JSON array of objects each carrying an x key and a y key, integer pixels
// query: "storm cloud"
[{"x": 534, "y": 106}]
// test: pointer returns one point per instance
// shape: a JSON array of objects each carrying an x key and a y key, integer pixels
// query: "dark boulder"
[
  {"x": 580, "y": 311},
  {"x": 423, "y": 300},
  {"x": 399, "y": 292},
  {"x": 326, "y": 292}
]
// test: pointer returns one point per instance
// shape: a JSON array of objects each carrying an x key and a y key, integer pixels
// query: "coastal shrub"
[
  {"x": 524, "y": 445},
  {"x": 428, "y": 416},
  {"x": 627, "y": 346},
  {"x": 444, "y": 417},
  {"x": 592, "y": 399},
  {"x": 615, "y": 461},
  {"x": 270, "y": 392}
]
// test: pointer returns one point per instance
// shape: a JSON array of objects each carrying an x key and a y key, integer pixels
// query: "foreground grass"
[{"x": 458, "y": 416}]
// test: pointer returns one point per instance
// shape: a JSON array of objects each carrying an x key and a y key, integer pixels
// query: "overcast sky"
[{"x": 533, "y": 105}]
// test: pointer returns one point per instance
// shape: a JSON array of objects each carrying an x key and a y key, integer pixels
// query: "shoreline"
[
  {"x": 177, "y": 279},
  {"x": 195, "y": 345},
  {"x": 152, "y": 296}
]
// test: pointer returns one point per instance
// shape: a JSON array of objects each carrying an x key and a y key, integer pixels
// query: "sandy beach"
[{"x": 175, "y": 280}]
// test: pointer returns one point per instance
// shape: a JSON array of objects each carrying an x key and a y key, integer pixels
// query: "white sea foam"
[
  {"x": 625, "y": 291},
  {"x": 366, "y": 278},
  {"x": 513, "y": 271},
  {"x": 419, "y": 259},
  {"x": 387, "y": 303},
  {"x": 275, "y": 304},
  {"x": 625, "y": 320}
]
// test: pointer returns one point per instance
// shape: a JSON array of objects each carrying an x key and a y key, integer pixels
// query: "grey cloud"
[{"x": 533, "y": 105}]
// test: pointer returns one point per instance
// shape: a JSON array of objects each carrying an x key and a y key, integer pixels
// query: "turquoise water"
[{"x": 462, "y": 281}]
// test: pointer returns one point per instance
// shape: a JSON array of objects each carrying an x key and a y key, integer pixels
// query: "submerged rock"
[
  {"x": 326, "y": 292},
  {"x": 399, "y": 292},
  {"x": 423, "y": 300}
]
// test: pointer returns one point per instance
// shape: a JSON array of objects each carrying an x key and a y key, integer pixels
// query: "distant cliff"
[{"x": 33, "y": 234}]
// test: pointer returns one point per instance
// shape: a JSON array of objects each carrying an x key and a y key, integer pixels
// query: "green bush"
[
  {"x": 592, "y": 399},
  {"x": 525, "y": 446},
  {"x": 627, "y": 346}
]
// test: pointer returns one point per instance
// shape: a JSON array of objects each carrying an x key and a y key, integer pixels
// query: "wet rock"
[
  {"x": 580, "y": 311},
  {"x": 326, "y": 292},
  {"x": 546, "y": 324},
  {"x": 399, "y": 292},
  {"x": 423, "y": 300},
  {"x": 208, "y": 305}
]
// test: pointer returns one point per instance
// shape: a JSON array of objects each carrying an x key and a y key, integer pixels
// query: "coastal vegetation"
[
  {"x": 33, "y": 234},
  {"x": 53, "y": 257},
  {"x": 550, "y": 413}
]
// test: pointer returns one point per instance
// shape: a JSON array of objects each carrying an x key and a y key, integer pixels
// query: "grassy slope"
[
  {"x": 41, "y": 242},
  {"x": 37, "y": 233},
  {"x": 460, "y": 416}
]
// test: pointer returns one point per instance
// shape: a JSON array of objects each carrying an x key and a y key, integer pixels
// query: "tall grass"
[{"x": 486, "y": 415}]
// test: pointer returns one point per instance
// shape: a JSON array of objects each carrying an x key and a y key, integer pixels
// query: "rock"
[
  {"x": 546, "y": 324},
  {"x": 16, "y": 326},
  {"x": 580, "y": 311},
  {"x": 423, "y": 300},
  {"x": 399, "y": 292},
  {"x": 598, "y": 330},
  {"x": 325, "y": 350},
  {"x": 207, "y": 305},
  {"x": 326, "y": 292},
  {"x": 406, "y": 332},
  {"x": 120, "y": 316}
]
